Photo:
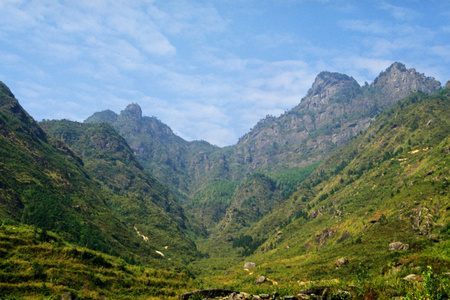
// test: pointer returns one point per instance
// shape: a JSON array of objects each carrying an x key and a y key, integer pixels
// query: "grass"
[{"x": 35, "y": 268}]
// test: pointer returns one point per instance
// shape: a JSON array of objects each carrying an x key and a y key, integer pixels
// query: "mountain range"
[{"x": 343, "y": 174}]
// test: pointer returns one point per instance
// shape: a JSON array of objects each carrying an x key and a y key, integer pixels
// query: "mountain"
[
  {"x": 141, "y": 201},
  {"x": 371, "y": 214},
  {"x": 379, "y": 203},
  {"x": 101, "y": 198},
  {"x": 43, "y": 182},
  {"x": 168, "y": 157},
  {"x": 349, "y": 189},
  {"x": 335, "y": 109}
]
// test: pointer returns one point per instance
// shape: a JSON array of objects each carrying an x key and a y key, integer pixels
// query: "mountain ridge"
[
  {"x": 335, "y": 109},
  {"x": 375, "y": 185}
]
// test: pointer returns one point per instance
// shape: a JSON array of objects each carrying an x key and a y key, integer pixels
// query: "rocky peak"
[
  {"x": 132, "y": 111},
  {"x": 398, "y": 82},
  {"x": 327, "y": 86}
]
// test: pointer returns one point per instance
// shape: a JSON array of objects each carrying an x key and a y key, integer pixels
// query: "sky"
[{"x": 208, "y": 69}]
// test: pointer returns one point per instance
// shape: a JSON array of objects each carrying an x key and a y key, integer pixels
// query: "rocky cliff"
[{"x": 335, "y": 109}]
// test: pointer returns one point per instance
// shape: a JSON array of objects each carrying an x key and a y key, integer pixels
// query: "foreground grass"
[{"x": 39, "y": 265}]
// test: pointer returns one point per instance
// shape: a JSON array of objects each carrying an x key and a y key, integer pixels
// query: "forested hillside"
[
  {"x": 373, "y": 213},
  {"x": 46, "y": 184},
  {"x": 348, "y": 190}
]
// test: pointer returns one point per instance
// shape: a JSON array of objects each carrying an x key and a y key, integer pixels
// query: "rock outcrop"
[
  {"x": 341, "y": 262},
  {"x": 398, "y": 246}
]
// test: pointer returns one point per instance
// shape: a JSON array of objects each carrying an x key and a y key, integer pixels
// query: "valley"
[{"x": 119, "y": 207}]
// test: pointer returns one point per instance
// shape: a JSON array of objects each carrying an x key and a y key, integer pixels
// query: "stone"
[
  {"x": 249, "y": 265},
  {"x": 341, "y": 262},
  {"x": 264, "y": 296},
  {"x": 260, "y": 279},
  {"x": 398, "y": 246},
  {"x": 411, "y": 277},
  {"x": 211, "y": 293},
  {"x": 66, "y": 296},
  {"x": 316, "y": 290}
]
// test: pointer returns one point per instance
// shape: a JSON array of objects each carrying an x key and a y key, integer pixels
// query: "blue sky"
[{"x": 208, "y": 69}]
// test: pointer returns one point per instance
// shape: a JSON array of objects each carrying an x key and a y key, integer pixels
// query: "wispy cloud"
[
  {"x": 399, "y": 12},
  {"x": 365, "y": 26},
  {"x": 207, "y": 69}
]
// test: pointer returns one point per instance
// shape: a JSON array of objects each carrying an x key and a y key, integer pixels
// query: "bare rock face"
[
  {"x": 397, "y": 82},
  {"x": 335, "y": 109},
  {"x": 322, "y": 237}
]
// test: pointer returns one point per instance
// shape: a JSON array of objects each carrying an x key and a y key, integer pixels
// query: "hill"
[
  {"x": 141, "y": 201},
  {"x": 46, "y": 184},
  {"x": 385, "y": 188},
  {"x": 207, "y": 178}
]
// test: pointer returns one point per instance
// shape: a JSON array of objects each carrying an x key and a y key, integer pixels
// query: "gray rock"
[
  {"x": 260, "y": 279},
  {"x": 398, "y": 246},
  {"x": 249, "y": 265},
  {"x": 411, "y": 277},
  {"x": 212, "y": 293},
  {"x": 341, "y": 262}
]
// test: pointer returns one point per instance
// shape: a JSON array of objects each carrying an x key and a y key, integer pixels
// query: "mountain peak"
[
  {"x": 397, "y": 67},
  {"x": 398, "y": 82},
  {"x": 132, "y": 111},
  {"x": 327, "y": 85}
]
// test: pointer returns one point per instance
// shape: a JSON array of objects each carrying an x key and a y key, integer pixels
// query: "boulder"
[
  {"x": 398, "y": 246},
  {"x": 249, "y": 265},
  {"x": 316, "y": 290},
  {"x": 260, "y": 279},
  {"x": 411, "y": 277},
  {"x": 211, "y": 293},
  {"x": 341, "y": 262}
]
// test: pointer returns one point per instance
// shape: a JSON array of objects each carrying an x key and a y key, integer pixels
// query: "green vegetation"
[
  {"x": 42, "y": 265},
  {"x": 387, "y": 185},
  {"x": 134, "y": 195},
  {"x": 76, "y": 189}
]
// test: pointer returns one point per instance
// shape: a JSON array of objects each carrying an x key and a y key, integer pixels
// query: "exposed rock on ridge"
[{"x": 335, "y": 109}]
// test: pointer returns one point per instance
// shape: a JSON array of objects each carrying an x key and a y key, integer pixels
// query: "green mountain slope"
[
  {"x": 139, "y": 199},
  {"x": 335, "y": 109},
  {"x": 160, "y": 151},
  {"x": 44, "y": 183},
  {"x": 389, "y": 184}
]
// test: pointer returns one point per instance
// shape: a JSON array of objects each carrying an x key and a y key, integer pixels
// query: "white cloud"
[
  {"x": 399, "y": 12},
  {"x": 365, "y": 26}
]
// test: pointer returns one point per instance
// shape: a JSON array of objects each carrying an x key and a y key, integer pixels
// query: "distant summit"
[
  {"x": 398, "y": 82},
  {"x": 132, "y": 111},
  {"x": 335, "y": 109}
]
